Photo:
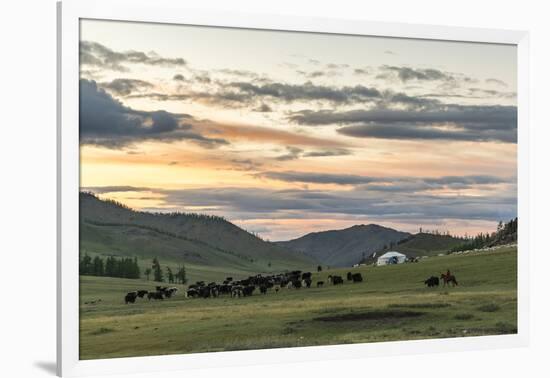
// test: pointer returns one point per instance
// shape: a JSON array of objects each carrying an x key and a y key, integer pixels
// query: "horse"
[{"x": 448, "y": 278}]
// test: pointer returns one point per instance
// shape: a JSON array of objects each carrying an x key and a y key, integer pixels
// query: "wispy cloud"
[{"x": 97, "y": 55}]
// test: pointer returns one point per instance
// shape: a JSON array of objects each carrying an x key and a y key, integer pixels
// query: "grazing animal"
[
  {"x": 263, "y": 289},
  {"x": 306, "y": 276},
  {"x": 357, "y": 277},
  {"x": 432, "y": 281},
  {"x": 320, "y": 283},
  {"x": 130, "y": 297},
  {"x": 155, "y": 295},
  {"x": 349, "y": 276},
  {"x": 307, "y": 282},
  {"x": 192, "y": 292},
  {"x": 248, "y": 290},
  {"x": 141, "y": 293},
  {"x": 449, "y": 278},
  {"x": 237, "y": 291},
  {"x": 335, "y": 280}
]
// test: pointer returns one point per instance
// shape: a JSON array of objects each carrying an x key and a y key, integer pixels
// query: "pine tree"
[
  {"x": 157, "y": 271},
  {"x": 86, "y": 267},
  {"x": 170, "y": 275},
  {"x": 181, "y": 275}
]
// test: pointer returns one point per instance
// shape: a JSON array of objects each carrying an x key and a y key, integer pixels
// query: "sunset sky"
[{"x": 287, "y": 133}]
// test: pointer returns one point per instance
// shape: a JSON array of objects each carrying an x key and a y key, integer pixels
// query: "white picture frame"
[{"x": 163, "y": 11}]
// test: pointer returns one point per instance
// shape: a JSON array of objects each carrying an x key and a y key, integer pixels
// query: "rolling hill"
[
  {"x": 109, "y": 228},
  {"x": 424, "y": 244},
  {"x": 344, "y": 247}
]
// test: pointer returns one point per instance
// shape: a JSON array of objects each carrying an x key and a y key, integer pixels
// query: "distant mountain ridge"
[
  {"x": 345, "y": 247},
  {"x": 107, "y": 227}
]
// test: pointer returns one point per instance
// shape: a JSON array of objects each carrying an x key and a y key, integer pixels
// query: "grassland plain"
[{"x": 391, "y": 304}]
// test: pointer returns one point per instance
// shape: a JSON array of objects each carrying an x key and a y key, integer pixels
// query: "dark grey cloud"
[
  {"x": 179, "y": 77},
  {"x": 390, "y": 183},
  {"x": 328, "y": 152},
  {"x": 317, "y": 178},
  {"x": 463, "y": 122},
  {"x": 124, "y": 87},
  {"x": 484, "y": 93},
  {"x": 263, "y": 108},
  {"x": 105, "y": 121},
  {"x": 241, "y": 73},
  {"x": 306, "y": 91},
  {"x": 96, "y": 54},
  {"x": 313, "y": 74},
  {"x": 406, "y": 73},
  {"x": 294, "y": 153}
]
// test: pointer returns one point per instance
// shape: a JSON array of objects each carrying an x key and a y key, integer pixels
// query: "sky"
[{"x": 286, "y": 133}]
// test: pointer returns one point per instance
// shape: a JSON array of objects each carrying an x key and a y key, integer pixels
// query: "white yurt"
[{"x": 391, "y": 257}]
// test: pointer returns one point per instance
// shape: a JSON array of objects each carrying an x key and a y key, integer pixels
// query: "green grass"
[{"x": 391, "y": 304}]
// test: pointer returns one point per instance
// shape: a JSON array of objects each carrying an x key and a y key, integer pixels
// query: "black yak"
[
  {"x": 432, "y": 281},
  {"x": 131, "y": 297}
]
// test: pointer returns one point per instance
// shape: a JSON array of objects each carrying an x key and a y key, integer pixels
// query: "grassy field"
[{"x": 391, "y": 304}]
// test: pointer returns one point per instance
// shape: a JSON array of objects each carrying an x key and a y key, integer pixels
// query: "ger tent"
[{"x": 391, "y": 257}]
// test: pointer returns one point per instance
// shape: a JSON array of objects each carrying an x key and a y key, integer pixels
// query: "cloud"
[
  {"x": 317, "y": 178},
  {"x": 390, "y": 183},
  {"x": 263, "y": 108},
  {"x": 245, "y": 164},
  {"x": 438, "y": 121},
  {"x": 241, "y": 73},
  {"x": 361, "y": 71},
  {"x": 293, "y": 153},
  {"x": 334, "y": 66},
  {"x": 106, "y": 122},
  {"x": 124, "y": 87},
  {"x": 328, "y": 152},
  {"x": 313, "y": 74},
  {"x": 296, "y": 153},
  {"x": 98, "y": 55},
  {"x": 496, "y": 81},
  {"x": 178, "y": 77},
  {"x": 306, "y": 91},
  {"x": 406, "y": 73}
]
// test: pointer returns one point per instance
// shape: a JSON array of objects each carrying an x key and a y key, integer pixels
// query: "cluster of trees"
[
  {"x": 158, "y": 274},
  {"x": 505, "y": 233},
  {"x": 127, "y": 267},
  {"x": 437, "y": 232},
  {"x": 124, "y": 267}
]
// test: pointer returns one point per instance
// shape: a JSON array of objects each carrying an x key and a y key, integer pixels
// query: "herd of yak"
[
  {"x": 246, "y": 287},
  {"x": 243, "y": 288}
]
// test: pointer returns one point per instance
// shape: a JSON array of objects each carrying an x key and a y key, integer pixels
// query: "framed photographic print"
[{"x": 238, "y": 188}]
